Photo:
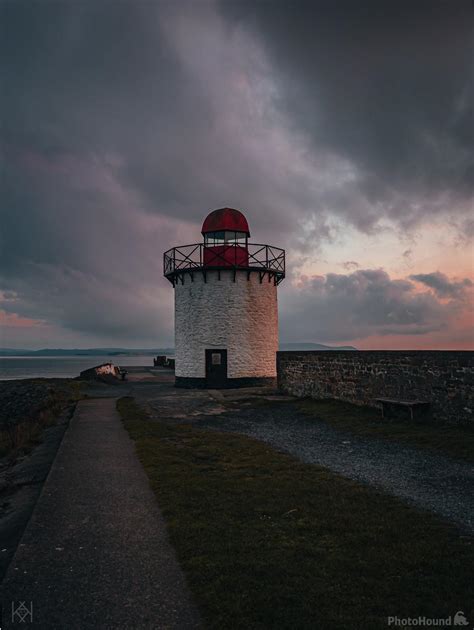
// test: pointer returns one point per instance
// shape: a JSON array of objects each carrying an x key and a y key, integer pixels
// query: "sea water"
[{"x": 62, "y": 367}]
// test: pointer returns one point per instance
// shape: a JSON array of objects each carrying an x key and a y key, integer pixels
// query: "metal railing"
[{"x": 196, "y": 257}]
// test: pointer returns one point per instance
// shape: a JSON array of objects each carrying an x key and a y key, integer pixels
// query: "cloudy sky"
[{"x": 342, "y": 129}]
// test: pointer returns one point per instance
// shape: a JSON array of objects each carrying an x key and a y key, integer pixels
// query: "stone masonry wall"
[
  {"x": 444, "y": 378},
  {"x": 240, "y": 316}
]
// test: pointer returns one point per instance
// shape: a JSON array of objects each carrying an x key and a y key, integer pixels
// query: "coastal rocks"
[
  {"x": 34, "y": 414},
  {"x": 29, "y": 405},
  {"x": 22, "y": 400},
  {"x": 105, "y": 371}
]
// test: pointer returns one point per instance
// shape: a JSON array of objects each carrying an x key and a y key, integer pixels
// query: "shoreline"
[
  {"x": 61, "y": 367},
  {"x": 34, "y": 415}
]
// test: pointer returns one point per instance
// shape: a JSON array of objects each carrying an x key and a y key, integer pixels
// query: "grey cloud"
[
  {"x": 92, "y": 305},
  {"x": 366, "y": 302},
  {"x": 136, "y": 80},
  {"x": 350, "y": 264},
  {"x": 442, "y": 285},
  {"x": 388, "y": 85},
  {"x": 124, "y": 123}
]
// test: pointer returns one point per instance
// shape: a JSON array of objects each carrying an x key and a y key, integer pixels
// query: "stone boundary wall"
[{"x": 444, "y": 378}]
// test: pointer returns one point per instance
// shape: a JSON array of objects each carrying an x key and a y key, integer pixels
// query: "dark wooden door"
[{"x": 216, "y": 368}]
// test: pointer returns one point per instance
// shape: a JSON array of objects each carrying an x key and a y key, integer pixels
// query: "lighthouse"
[{"x": 226, "y": 311}]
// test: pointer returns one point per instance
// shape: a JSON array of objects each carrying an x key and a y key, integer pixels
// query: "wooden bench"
[{"x": 407, "y": 409}]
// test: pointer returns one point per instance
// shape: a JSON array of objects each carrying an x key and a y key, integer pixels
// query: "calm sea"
[{"x": 60, "y": 367}]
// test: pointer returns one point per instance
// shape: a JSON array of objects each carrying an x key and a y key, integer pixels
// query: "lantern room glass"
[{"x": 212, "y": 239}]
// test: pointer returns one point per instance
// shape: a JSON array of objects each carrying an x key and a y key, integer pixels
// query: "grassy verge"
[
  {"x": 269, "y": 542},
  {"x": 455, "y": 441},
  {"x": 21, "y": 431}
]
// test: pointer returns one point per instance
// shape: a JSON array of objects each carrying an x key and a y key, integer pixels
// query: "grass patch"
[
  {"x": 22, "y": 431},
  {"x": 455, "y": 441},
  {"x": 269, "y": 542}
]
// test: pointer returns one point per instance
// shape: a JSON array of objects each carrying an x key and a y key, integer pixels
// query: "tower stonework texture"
[{"x": 226, "y": 313}]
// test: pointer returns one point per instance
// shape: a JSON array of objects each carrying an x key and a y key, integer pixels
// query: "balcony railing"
[{"x": 199, "y": 257}]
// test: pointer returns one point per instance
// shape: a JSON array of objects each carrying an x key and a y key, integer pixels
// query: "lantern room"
[{"x": 226, "y": 233}]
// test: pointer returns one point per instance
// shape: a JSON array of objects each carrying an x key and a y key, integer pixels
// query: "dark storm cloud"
[
  {"x": 442, "y": 285},
  {"x": 98, "y": 117},
  {"x": 388, "y": 85},
  {"x": 363, "y": 303},
  {"x": 123, "y": 123},
  {"x": 130, "y": 79}
]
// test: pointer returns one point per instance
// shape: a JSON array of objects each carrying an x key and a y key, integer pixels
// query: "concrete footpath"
[{"x": 95, "y": 553}]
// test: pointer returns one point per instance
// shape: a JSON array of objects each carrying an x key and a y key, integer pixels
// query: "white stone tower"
[{"x": 226, "y": 314}]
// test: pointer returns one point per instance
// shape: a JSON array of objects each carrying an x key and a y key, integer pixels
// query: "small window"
[
  {"x": 214, "y": 239},
  {"x": 234, "y": 237},
  {"x": 216, "y": 358}
]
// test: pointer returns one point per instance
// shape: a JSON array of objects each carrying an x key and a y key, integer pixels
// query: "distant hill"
[
  {"x": 124, "y": 352},
  {"x": 312, "y": 346},
  {"x": 87, "y": 352}
]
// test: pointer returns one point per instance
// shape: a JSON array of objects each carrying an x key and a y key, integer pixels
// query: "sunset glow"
[{"x": 350, "y": 152}]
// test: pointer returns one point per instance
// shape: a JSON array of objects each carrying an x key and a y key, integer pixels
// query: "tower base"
[{"x": 230, "y": 383}]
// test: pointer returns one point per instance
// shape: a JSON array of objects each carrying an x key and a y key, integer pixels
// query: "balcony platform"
[{"x": 265, "y": 260}]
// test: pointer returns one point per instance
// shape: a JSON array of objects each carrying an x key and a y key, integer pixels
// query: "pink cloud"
[{"x": 13, "y": 320}]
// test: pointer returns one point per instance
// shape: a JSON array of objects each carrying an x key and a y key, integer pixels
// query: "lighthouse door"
[{"x": 216, "y": 368}]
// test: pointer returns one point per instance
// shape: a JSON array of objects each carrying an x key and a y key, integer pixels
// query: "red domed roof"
[{"x": 225, "y": 219}]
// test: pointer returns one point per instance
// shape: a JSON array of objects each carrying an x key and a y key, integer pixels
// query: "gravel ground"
[{"x": 430, "y": 481}]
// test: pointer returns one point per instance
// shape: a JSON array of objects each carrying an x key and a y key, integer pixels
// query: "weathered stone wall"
[
  {"x": 444, "y": 378},
  {"x": 240, "y": 316}
]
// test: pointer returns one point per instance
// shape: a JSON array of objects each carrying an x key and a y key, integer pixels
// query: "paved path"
[{"x": 95, "y": 553}]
